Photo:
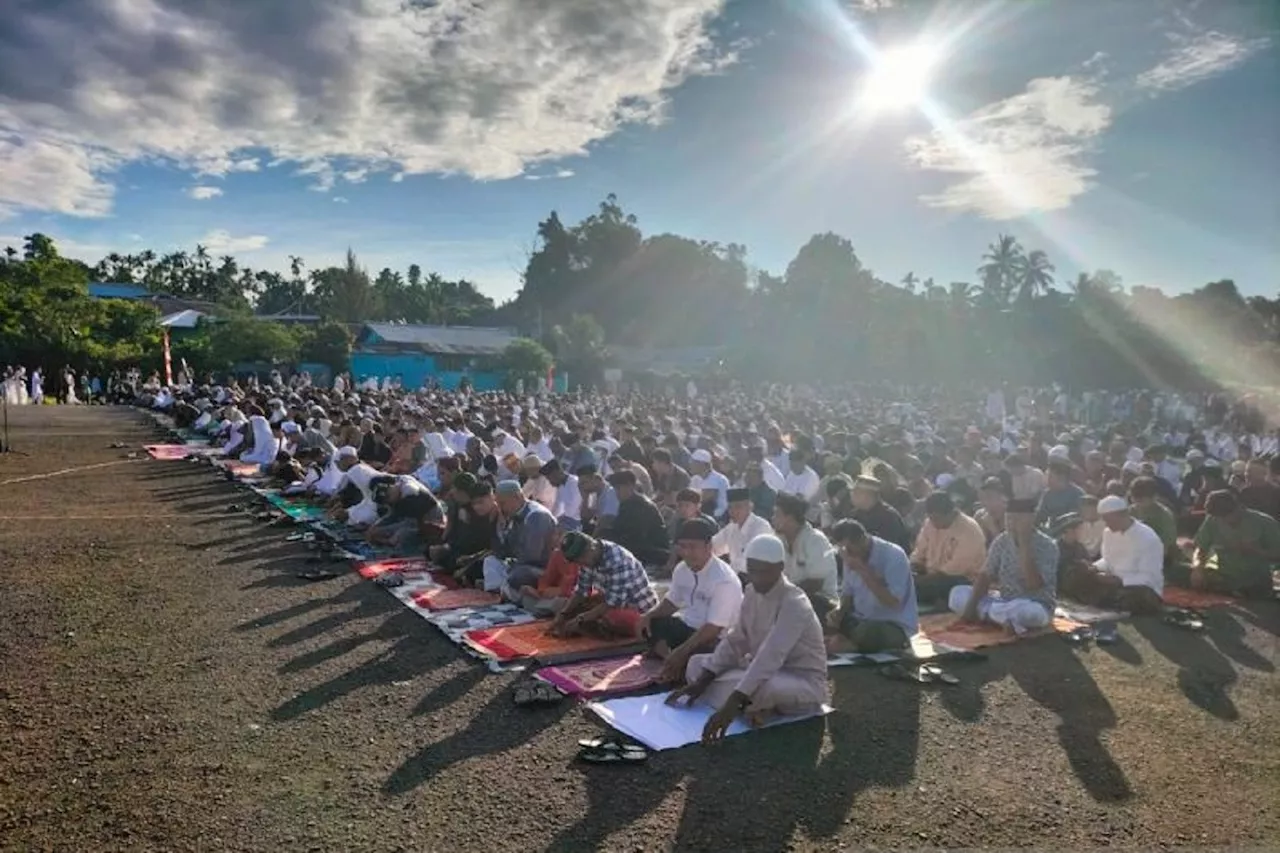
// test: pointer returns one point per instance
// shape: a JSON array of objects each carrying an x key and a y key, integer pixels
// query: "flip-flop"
[
  {"x": 1185, "y": 618},
  {"x": 319, "y": 575},
  {"x": 1106, "y": 634},
  {"x": 1079, "y": 636},
  {"x": 613, "y": 752},
  {"x": 390, "y": 579},
  {"x": 537, "y": 693},
  {"x": 927, "y": 673}
]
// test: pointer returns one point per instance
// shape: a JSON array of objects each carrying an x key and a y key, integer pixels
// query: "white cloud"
[
  {"x": 871, "y": 5},
  {"x": 45, "y": 174},
  {"x": 1198, "y": 57},
  {"x": 221, "y": 242},
  {"x": 564, "y": 173},
  {"x": 203, "y": 193},
  {"x": 329, "y": 86},
  {"x": 1022, "y": 155},
  {"x": 338, "y": 199}
]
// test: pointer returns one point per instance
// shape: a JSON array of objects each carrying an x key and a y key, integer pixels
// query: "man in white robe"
[{"x": 772, "y": 662}]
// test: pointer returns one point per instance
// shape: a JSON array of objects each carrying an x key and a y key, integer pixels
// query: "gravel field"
[{"x": 168, "y": 684}]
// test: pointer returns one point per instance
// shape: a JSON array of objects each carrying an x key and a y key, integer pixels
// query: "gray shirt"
[
  {"x": 526, "y": 537},
  {"x": 1005, "y": 568}
]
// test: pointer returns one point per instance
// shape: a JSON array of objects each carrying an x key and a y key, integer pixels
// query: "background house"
[{"x": 418, "y": 354}]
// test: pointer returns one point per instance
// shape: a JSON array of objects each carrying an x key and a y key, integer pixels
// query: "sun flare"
[{"x": 899, "y": 77}]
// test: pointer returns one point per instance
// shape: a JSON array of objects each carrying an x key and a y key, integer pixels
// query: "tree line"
[{"x": 602, "y": 282}]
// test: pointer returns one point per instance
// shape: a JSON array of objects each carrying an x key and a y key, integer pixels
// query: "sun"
[{"x": 899, "y": 77}]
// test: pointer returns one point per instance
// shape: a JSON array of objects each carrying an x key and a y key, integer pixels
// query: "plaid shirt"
[{"x": 620, "y": 577}]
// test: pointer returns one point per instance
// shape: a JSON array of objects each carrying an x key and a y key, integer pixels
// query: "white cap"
[
  {"x": 1112, "y": 503},
  {"x": 766, "y": 548},
  {"x": 944, "y": 480},
  {"x": 348, "y": 452},
  {"x": 1194, "y": 454},
  {"x": 1060, "y": 451},
  {"x": 702, "y": 456}
]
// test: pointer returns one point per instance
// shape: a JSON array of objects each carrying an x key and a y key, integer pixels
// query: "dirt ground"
[{"x": 167, "y": 683}]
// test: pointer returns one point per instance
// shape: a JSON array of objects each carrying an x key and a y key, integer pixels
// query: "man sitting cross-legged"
[
  {"x": 613, "y": 590},
  {"x": 772, "y": 662},
  {"x": 950, "y": 550},
  {"x": 877, "y": 611},
  {"x": 1021, "y": 570},
  {"x": 1130, "y": 574},
  {"x": 703, "y": 601},
  {"x": 1246, "y": 544}
]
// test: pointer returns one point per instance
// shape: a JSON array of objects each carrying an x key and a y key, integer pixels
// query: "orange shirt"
[{"x": 560, "y": 578}]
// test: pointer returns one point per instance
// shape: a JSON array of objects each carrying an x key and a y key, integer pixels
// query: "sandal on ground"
[
  {"x": 390, "y": 579},
  {"x": 1079, "y": 636},
  {"x": 537, "y": 693},
  {"x": 1190, "y": 620},
  {"x": 319, "y": 575},
  {"x": 926, "y": 673},
  {"x": 599, "y": 751},
  {"x": 1106, "y": 634}
]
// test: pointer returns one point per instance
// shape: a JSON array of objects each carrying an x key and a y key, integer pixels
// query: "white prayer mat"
[{"x": 649, "y": 720}]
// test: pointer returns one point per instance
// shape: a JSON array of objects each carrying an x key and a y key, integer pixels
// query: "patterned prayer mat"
[
  {"x": 1176, "y": 596},
  {"x": 945, "y": 629},
  {"x": 603, "y": 677},
  {"x": 452, "y": 599},
  {"x": 533, "y": 641}
]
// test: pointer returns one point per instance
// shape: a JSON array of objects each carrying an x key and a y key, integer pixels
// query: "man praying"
[
  {"x": 950, "y": 550},
  {"x": 612, "y": 594},
  {"x": 702, "y": 602},
  {"x": 773, "y": 662},
  {"x": 1017, "y": 586},
  {"x": 877, "y": 609},
  {"x": 744, "y": 525}
]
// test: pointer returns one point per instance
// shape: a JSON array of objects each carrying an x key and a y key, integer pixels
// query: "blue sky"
[{"x": 1138, "y": 136}]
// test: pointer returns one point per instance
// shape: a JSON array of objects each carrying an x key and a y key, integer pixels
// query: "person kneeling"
[
  {"x": 704, "y": 599},
  {"x": 877, "y": 611},
  {"x": 612, "y": 592},
  {"x": 772, "y": 662}
]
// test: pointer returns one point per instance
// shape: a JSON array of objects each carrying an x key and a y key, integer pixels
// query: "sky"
[{"x": 1135, "y": 135}]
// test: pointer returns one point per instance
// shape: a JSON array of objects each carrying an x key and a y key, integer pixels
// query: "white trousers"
[
  {"x": 495, "y": 574},
  {"x": 785, "y": 693},
  {"x": 1021, "y": 614}
]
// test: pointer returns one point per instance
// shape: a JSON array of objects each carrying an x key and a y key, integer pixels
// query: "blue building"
[
  {"x": 419, "y": 354},
  {"x": 109, "y": 290}
]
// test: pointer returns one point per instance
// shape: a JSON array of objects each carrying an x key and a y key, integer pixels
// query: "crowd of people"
[
  {"x": 18, "y": 388},
  {"x": 746, "y": 534}
]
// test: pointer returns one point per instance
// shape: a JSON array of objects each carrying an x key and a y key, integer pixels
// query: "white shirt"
[
  {"x": 732, "y": 540},
  {"x": 568, "y": 502},
  {"x": 712, "y": 596},
  {"x": 805, "y": 484},
  {"x": 772, "y": 476},
  {"x": 713, "y": 480},
  {"x": 539, "y": 490},
  {"x": 811, "y": 557},
  {"x": 1136, "y": 556}
]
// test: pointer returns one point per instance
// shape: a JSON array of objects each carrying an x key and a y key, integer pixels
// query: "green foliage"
[
  {"x": 827, "y": 317},
  {"x": 327, "y": 343},
  {"x": 527, "y": 359},
  {"x": 248, "y": 339}
]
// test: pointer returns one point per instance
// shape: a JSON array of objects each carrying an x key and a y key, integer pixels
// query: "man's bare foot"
[{"x": 757, "y": 719}]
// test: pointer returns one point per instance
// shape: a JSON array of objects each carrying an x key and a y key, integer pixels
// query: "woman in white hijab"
[
  {"x": 265, "y": 444},
  {"x": 234, "y": 425},
  {"x": 331, "y": 480}
]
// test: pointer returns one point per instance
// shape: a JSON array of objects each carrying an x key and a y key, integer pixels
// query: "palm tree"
[
  {"x": 909, "y": 282},
  {"x": 1000, "y": 267},
  {"x": 961, "y": 295},
  {"x": 1035, "y": 276}
]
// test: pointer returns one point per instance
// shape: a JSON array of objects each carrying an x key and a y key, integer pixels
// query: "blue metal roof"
[{"x": 106, "y": 290}]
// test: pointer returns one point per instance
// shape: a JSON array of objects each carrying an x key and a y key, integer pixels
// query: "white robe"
[{"x": 265, "y": 445}]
